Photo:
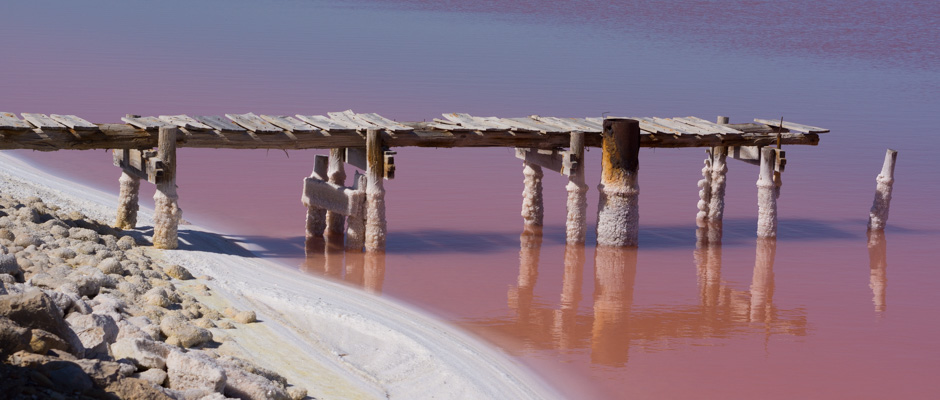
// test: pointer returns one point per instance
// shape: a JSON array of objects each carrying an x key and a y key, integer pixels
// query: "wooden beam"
[
  {"x": 559, "y": 161},
  {"x": 329, "y": 196},
  {"x": 748, "y": 154}
]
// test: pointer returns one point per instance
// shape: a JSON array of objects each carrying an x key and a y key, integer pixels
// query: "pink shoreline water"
[{"x": 841, "y": 321}]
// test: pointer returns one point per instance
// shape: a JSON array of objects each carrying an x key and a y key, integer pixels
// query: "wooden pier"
[{"x": 145, "y": 149}]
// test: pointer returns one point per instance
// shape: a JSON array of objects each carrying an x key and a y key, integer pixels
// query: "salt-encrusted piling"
[
  {"x": 316, "y": 216},
  {"x": 335, "y": 222},
  {"x": 767, "y": 195},
  {"x": 618, "y": 210},
  {"x": 128, "y": 200},
  {"x": 878, "y": 216},
  {"x": 716, "y": 205},
  {"x": 167, "y": 213},
  {"x": 356, "y": 220},
  {"x": 533, "y": 210},
  {"x": 576, "y": 224},
  {"x": 762, "y": 283},
  {"x": 878, "y": 265},
  {"x": 375, "y": 192}
]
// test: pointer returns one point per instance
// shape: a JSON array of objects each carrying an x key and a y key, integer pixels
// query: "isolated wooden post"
[
  {"x": 316, "y": 216},
  {"x": 375, "y": 192},
  {"x": 128, "y": 201},
  {"x": 766, "y": 196},
  {"x": 618, "y": 212},
  {"x": 532, "y": 207},
  {"x": 576, "y": 225},
  {"x": 878, "y": 216},
  {"x": 337, "y": 175},
  {"x": 167, "y": 213}
]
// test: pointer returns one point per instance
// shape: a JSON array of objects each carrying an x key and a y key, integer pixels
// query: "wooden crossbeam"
[
  {"x": 559, "y": 161},
  {"x": 144, "y": 164},
  {"x": 332, "y": 197}
]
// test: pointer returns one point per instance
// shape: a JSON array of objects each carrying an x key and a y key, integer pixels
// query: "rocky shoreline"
[{"x": 89, "y": 311}]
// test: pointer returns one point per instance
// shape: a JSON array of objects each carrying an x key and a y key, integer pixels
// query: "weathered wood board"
[
  {"x": 146, "y": 122},
  {"x": 73, "y": 122},
  {"x": 185, "y": 122},
  {"x": 253, "y": 123},
  {"x": 289, "y": 123},
  {"x": 329, "y": 196},
  {"x": 42, "y": 121},
  {"x": 559, "y": 161},
  {"x": 324, "y": 123},
  {"x": 792, "y": 126},
  {"x": 218, "y": 123}
]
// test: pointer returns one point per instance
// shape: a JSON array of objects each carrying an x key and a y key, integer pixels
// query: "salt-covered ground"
[{"x": 335, "y": 341}]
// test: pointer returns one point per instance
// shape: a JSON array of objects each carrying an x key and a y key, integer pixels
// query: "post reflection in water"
[
  {"x": 326, "y": 256},
  {"x": 607, "y": 330},
  {"x": 878, "y": 263}
]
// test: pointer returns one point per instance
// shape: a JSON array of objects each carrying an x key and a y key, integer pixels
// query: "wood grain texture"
[
  {"x": 185, "y": 122},
  {"x": 146, "y": 122},
  {"x": 324, "y": 123},
  {"x": 218, "y": 123},
  {"x": 73, "y": 122},
  {"x": 253, "y": 123},
  {"x": 289, "y": 123},
  {"x": 792, "y": 126},
  {"x": 42, "y": 121}
]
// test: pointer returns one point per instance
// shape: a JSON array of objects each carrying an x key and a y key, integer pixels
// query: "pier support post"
[
  {"x": 576, "y": 224},
  {"x": 767, "y": 196},
  {"x": 533, "y": 209},
  {"x": 716, "y": 205},
  {"x": 618, "y": 210},
  {"x": 128, "y": 201},
  {"x": 167, "y": 213},
  {"x": 316, "y": 216},
  {"x": 337, "y": 175},
  {"x": 878, "y": 264},
  {"x": 356, "y": 221},
  {"x": 375, "y": 192},
  {"x": 878, "y": 216}
]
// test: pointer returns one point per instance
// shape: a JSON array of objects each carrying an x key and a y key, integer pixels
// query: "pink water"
[{"x": 820, "y": 314}]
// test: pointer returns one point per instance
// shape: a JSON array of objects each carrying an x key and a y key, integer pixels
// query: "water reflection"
[
  {"x": 878, "y": 263},
  {"x": 325, "y": 256},
  {"x": 617, "y": 322}
]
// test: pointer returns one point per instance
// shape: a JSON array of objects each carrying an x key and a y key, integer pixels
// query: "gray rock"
[
  {"x": 59, "y": 231},
  {"x": 126, "y": 243},
  {"x": 96, "y": 331},
  {"x": 188, "y": 334},
  {"x": 25, "y": 240},
  {"x": 110, "y": 266},
  {"x": 9, "y": 265},
  {"x": 13, "y": 338},
  {"x": 142, "y": 352},
  {"x": 194, "y": 370},
  {"x": 253, "y": 368},
  {"x": 157, "y": 297},
  {"x": 178, "y": 272},
  {"x": 42, "y": 341},
  {"x": 153, "y": 375},
  {"x": 6, "y": 234},
  {"x": 245, "y": 317},
  {"x": 33, "y": 309},
  {"x": 83, "y": 234},
  {"x": 296, "y": 393},
  {"x": 103, "y": 373},
  {"x": 138, "y": 389},
  {"x": 67, "y": 376},
  {"x": 245, "y": 385}
]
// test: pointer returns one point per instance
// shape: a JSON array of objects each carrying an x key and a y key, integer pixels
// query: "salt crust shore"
[{"x": 335, "y": 341}]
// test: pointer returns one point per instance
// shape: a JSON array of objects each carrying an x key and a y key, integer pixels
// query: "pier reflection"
[
  {"x": 325, "y": 256},
  {"x": 878, "y": 265},
  {"x": 617, "y": 321}
]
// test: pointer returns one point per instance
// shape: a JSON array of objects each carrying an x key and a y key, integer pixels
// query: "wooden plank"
[
  {"x": 9, "y": 121},
  {"x": 146, "y": 122},
  {"x": 345, "y": 118},
  {"x": 253, "y": 123},
  {"x": 42, "y": 121},
  {"x": 328, "y": 196},
  {"x": 559, "y": 161},
  {"x": 791, "y": 126},
  {"x": 494, "y": 122},
  {"x": 705, "y": 124},
  {"x": 356, "y": 156},
  {"x": 748, "y": 154},
  {"x": 185, "y": 122},
  {"x": 447, "y": 126},
  {"x": 654, "y": 127},
  {"x": 536, "y": 125},
  {"x": 324, "y": 123},
  {"x": 644, "y": 125},
  {"x": 570, "y": 124},
  {"x": 73, "y": 122},
  {"x": 289, "y": 123},
  {"x": 218, "y": 123},
  {"x": 467, "y": 121},
  {"x": 383, "y": 122},
  {"x": 680, "y": 126}
]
